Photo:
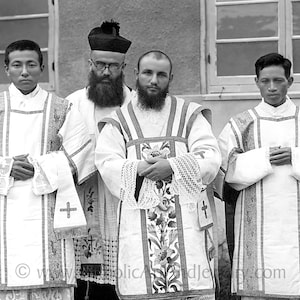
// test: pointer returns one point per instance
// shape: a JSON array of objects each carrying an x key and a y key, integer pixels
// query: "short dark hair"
[
  {"x": 273, "y": 59},
  {"x": 158, "y": 55},
  {"x": 23, "y": 45}
]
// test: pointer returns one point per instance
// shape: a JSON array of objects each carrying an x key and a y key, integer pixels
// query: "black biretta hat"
[{"x": 107, "y": 38}]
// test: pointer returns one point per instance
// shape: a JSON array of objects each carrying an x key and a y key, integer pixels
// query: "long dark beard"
[
  {"x": 105, "y": 94},
  {"x": 147, "y": 101}
]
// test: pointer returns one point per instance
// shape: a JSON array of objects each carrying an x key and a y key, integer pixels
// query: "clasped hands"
[
  {"x": 154, "y": 168},
  {"x": 22, "y": 169},
  {"x": 280, "y": 156}
]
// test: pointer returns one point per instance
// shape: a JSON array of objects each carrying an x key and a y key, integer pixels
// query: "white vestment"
[
  {"x": 165, "y": 245},
  {"x": 266, "y": 260},
  {"x": 96, "y": 254},
  {"x": 36, "y": 213}
]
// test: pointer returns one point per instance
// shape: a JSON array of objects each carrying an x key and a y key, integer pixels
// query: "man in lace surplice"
[
  {"x": 96, "y": 252},
  {"x": 158, "y": 154}
]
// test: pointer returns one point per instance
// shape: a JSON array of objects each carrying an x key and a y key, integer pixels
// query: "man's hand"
[
  {"x": 22, "y": 169},
  {"x": 158, "y": 170},
  {"x": 280, "y": 156},
  {"x": 142, "y": 166}
]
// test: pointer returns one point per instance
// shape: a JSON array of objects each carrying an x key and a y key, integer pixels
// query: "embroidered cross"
[
  {"x": 204, "y": 208},
  {"x": 91, "y": 240},
  {"x": 68, "y": 210}
]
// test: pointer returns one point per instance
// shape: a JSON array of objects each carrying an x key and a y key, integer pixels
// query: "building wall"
[{"x": 172, "y": 26}]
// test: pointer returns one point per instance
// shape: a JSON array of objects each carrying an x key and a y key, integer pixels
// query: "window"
[
  {"x": 240, "y": 31},
  {"x": 35, "y": 21}
]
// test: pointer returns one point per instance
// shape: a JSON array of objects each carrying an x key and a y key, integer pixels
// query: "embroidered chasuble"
[
  {"x": 266, "y": 260},
  {"x": 37, "y": 215},
  {"x": 96, "y": 251},
  {"x": 166, "y": 245}
]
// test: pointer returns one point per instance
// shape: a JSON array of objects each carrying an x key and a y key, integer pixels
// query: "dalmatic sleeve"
[
  {"x": 52, "y": 173},
  {"x": 76, "y": 148},
  {"x": 120, "y": 173},
  {"x": 76, "y": 145},
  {"x": 196, "y": 169},
  {"x": 242, "y": 169}
]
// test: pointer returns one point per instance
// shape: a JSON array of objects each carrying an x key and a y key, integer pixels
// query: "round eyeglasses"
[{"x": 101, "y": 66}]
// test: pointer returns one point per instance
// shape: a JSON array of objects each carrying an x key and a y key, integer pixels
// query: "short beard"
[
  {"x": 147, "y": 101},
  {"x": 105, "y": 94}
]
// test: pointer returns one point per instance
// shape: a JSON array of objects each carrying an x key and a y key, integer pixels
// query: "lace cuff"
[
  {"x": 147, "y": 196},
  {"x": 128, "y": 184},
  {"x": 6, "y": 181},
  {"x": 186, "y": 181}
]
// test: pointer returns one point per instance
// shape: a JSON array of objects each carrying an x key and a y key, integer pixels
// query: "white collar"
[
  {"x": 14, "y": 91},
  {"x": 285, "y": 108}
]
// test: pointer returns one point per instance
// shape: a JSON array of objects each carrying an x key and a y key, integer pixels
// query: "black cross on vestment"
[
  {"x": 204, "y": 208},
  {"x": 91, "y": 240},
  {"x": 68, "y": 210}
]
